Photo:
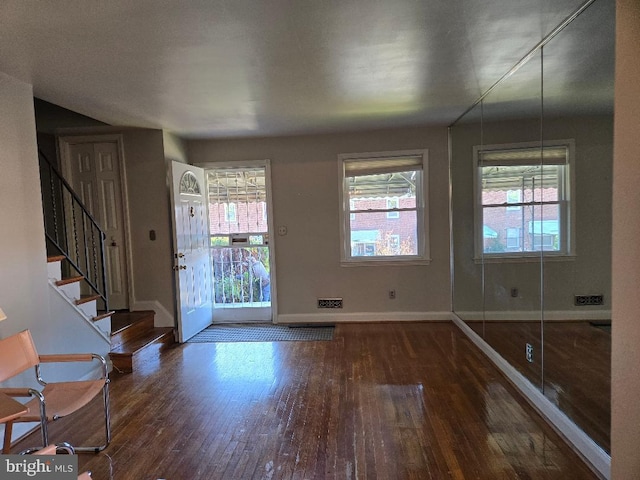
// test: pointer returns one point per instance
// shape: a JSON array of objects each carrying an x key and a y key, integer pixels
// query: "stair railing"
[{"x": 71, "y": 230}]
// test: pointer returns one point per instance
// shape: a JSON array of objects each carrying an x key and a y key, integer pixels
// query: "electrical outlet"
[
  {"x": 392, "y": 294},
  {"x": 529, "y": 352}
]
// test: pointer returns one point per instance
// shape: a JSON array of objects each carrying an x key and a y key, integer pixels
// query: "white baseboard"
[
  {"x": 530, "y": 315},
  {"x": 163, "y": 317},
  {"x": 362, "y": 317},
  {"x": 580, "y": 441}
]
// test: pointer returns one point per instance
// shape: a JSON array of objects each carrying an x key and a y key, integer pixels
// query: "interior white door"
[
  {"x": 192, "y": 253},
  {"x": 95, "y": 176}
]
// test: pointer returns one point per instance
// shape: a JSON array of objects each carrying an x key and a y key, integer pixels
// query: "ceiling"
[{"x": 231, "y": 68}]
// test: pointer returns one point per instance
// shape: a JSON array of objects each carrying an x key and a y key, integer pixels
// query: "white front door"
[
  {"x": 191, "y": 250},
  {"x": 94, "y": 170}
]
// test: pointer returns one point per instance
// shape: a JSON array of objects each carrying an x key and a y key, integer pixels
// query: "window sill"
[
  {"x": 392, "y": 262},
  {"x": 523, "y": 258}
]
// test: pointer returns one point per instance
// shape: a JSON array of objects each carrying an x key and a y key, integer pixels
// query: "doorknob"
[
  {"x": 180, "y": 267},
  {"x": 179, "y": 255}
]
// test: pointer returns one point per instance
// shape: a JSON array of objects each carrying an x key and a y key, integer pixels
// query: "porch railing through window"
[
  {"x": 241, "y": 277},
  {"x": 72, "y": 232}
]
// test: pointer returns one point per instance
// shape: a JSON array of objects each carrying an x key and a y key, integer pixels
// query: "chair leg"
[
  {"x": 6, "y": 446},
  {"x": 107, "y": 424},
  {"x": 43, "y": 425}
]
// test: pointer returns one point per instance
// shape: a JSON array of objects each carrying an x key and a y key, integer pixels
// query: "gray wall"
[
  {"x": 146, "y": 176},
  {"x": 23, "y": 272},
  {"x": 175, "y": 149},
  {"x": 305, "y": 199},
  {"x": 49, "y": 118},
  {"x": 590, "y": 272}
]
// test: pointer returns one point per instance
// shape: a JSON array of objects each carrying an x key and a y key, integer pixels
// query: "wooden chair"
[{"x": 56, "y": 400}]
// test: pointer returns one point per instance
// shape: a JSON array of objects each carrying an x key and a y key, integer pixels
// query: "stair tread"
[
  {"x": 86, "y": 299},
  {"x": 122, "y": 321},
  {"x": 140, "y": 341},
  {"x": 100, "y": 316},
  {"x": 66, "y": 281},
  {"x": 55, "y": 258}
]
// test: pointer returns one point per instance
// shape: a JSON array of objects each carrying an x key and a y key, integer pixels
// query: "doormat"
[{"x": 262, "y": 332}]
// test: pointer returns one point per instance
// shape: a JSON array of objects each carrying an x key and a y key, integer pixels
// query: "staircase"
[
  {"x": 131, "y": 335},
  {"x": 134, "y": 337},
  {"x": 83, "y": 306},
  {"x": 77, "y": 274}
]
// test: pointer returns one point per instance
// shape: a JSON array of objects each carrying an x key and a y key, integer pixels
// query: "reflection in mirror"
[
  {"x": 578, "y": 104},
  {"x": 531, "y": 218},
  {"x": 507, "y": 208},
  {"x": 468, "y": 295}
]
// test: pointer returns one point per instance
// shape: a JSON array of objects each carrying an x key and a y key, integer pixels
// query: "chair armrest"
[
  {"x": 66, "y": 357},
  {"x": 23, "y": 392},
  {"x": 17, "y": 392},
  {"x": 71, "y": 357}
]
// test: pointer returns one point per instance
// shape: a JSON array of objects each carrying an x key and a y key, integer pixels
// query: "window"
[
  {"x": 363, "y": 249},
  {"x": 513, "y": 238},
  {"x": 393, "y": 204},
  {"x": 514, "y": 196},
  {"x": 230, "y": 212},
  {"x": 393, "y": 244},
  {"x": 383, "y": 198},
  {"x": 523, "y": 199}
]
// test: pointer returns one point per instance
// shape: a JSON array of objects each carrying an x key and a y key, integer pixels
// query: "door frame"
[
  {"x": 64, "y": 143},
  {"x": 266, "y": 163}
]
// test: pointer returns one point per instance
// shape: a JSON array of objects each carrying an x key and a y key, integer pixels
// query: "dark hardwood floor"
[
  {"x": 380, "y": 401},
  {"x": 577, "y": 368},
  {"x": 577, "y": 376}
]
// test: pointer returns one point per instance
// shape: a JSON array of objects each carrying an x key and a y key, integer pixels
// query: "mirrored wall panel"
[
  {"x": 468, "y": 293},
  {"x": 531, "y": 218},
  {"x": 508, "y": 173},
  {"x": 578, "y": 109}
]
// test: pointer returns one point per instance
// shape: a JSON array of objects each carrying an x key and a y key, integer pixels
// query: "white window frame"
[
  {"x": 422, "y": 212},
  {"x": 566, "y": 205}
]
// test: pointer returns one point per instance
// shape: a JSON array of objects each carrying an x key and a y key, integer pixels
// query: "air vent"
[
  {"x": 583, "y": 300},
  {"x": 330, "y": 303}
]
